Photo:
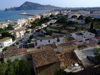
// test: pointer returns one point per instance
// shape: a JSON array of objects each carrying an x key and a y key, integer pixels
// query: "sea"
[{"x": 13, "y": 15}]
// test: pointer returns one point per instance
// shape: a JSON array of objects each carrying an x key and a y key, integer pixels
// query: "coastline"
[{"x": 13, "y": 15}]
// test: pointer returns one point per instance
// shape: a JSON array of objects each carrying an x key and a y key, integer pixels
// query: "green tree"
[
  {"x": 88, "y": 19},
  {"x": 62, "y": 20},
  {"x": 74, "y": 16},
  {"x": 97, "y": 54},
  {"x": 16, "y": 66},
  {"x": 91, "y": 26},
  {"x": 9, "y": 27},
  {"x": 4, "y": 49},
  {"x": 62, "y": 72},
  {"x": 71, "y": 22},
  {"x": 3, "y": 68},
  {"x": 24, "y": 67},
  {"x": 81, "y": 17},
  {"x": 1, "y": 29},
  {"x": 10, "y": 69},
  {"x": 30, "y": 40}
]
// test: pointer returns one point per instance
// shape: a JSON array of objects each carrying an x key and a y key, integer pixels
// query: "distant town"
[{"x": 60, "y": 42}]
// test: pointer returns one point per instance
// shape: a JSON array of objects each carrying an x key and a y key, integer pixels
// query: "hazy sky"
[{"x": 61, "y": 3}]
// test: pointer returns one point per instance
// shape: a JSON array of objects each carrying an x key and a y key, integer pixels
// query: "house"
[
  {"x": 48, "y": 46},
  {"x": 83, "y": 35},
  {"x": 31, "y": 19},
  {"x": 55, "y": 12},
  {"x": 19, "y": 33},
  {"x": 57, "y": 39},
  {"x": 43, "y": 25},
  {"x": 69, "y": 39},
  {"x": 65, "y": 47},
  {"x": 4, "y": 25},
  {"x": 83, "y": 12},
  {"x": 19, "y": 22},
  {"x": 45, "y": 62},
  {"x": 38, "y": 27},
  {"x": 5, "y": 42},
  {"x": 78, "y": 21},
  {"x": 13, "y": 52},
  {"x": 67, "y": 59},
  {"x": 15, "y": 27},
  {"x": 76, "y": 14}
]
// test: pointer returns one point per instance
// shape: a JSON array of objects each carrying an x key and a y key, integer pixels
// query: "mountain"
[{"x": 32, "y": 6}]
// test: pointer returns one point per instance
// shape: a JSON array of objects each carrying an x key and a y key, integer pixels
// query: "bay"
[{"x": 13, "y": 15}]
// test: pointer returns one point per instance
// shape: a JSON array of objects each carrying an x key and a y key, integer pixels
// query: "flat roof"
[{"x": 4, "y": 39}]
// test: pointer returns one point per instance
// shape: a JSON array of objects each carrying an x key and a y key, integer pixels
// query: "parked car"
[{"x": 92, "y": 59}]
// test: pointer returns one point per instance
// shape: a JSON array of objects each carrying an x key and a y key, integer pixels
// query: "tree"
[
  {"x": 71, "y": 22},
  {"x": 1, "y": 29},
  {"x": 9, "y": 27},
  {"x": 97, "y": 54},
  {"x": 74, "y": 16},
  {"x": 30, "y": 40},
  {"x": 16, "y": 66},
  {"x": 31, "y": 37},
  {"x": 3, "y": 68},
  {"x": 93, "y": 31},
  {"x": 88, "y": 19},
  {"x": 81, "y": 17},
  {"x": 4, "y": 49},
  {"x": 10, "y": 69},
  {"x": 62, "y": 20},
  {"x": 24, "y": 67},
  {"x": 91, "y": 27},
  {"x": 62, "y": 72}
]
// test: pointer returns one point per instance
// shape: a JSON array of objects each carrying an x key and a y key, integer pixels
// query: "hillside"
[{"x": 31, "y": 6}]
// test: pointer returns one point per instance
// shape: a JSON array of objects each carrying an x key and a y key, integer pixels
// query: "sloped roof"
[
  {"x": 13, "y": 51},
  {"x": 44, "y": 57},
  {"x": 68, "y": 58}
]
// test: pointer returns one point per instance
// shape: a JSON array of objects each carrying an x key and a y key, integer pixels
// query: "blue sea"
[{"x": 13, "y": 15}]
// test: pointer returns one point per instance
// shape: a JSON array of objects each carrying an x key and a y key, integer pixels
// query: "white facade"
[
  {"x": 81, "y": 21},
  {"x": 83, "y": 12},
  {"x": 50, "y": 41},
  {"x": 19, "y": 22},
  {"x": 4, "y": 25},
  {"x": 5, "y": 42},
  {"x": 43, "y": 25},
  {"x": 69, "y": 14},
  {"x": 78, "y": 21},
  {"x": 82, "y": 36}
]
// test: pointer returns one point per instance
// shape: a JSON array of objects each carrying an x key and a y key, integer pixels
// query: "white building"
[
  {"x": 78, "y": 21},
  {"x": 57, "y": 39},
  {"x": 19, "y": 22},
  {"x": 82, "y": 36},
  {"x": 55, "y": 13},
  {"x": 83, "y": 12},
  {"x": 69, "y": 14},
  {"x": 5, "y": 42},
  {"x": 43, "y": 25},
  {"x": 19, "y": 33},
  {"x": 4, "y": 25}
]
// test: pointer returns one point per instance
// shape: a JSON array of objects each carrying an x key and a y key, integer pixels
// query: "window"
[
  {"x": 41, "y": 40},
  {"x": 36, "y": 44},
  {"x": 49, "y": 41},
  {"x": 58, "y": 40}
]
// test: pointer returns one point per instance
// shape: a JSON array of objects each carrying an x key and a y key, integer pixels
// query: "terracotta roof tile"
[{"x": 44, "y": 57}]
